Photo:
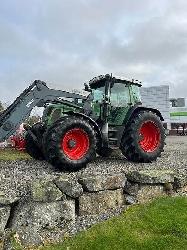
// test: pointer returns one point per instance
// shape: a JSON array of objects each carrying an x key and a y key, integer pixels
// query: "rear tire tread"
[{"x": 129, "y": 144}]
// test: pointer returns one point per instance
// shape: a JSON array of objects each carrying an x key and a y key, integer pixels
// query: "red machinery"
[
  {"x": 18, "y": 142},
  {"x": 18, "y": 139}
]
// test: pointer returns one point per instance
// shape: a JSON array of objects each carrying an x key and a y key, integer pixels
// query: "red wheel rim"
[
  {"x": 75, "y": 143},
  {"x": 150, "y": 136}
]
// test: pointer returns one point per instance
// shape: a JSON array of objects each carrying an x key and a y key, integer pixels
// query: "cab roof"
[{"x": 99, "y": 81}]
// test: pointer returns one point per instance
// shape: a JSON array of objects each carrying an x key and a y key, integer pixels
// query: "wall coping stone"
[{"x": 151, "y": 176}]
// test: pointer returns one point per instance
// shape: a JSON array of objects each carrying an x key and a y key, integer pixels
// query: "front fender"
[
  {"x": 89, "y": 119},
  {"x": 136, "y": 109}
]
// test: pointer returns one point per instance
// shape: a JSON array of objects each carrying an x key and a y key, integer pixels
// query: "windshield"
[{"x": 98, "y": 94}]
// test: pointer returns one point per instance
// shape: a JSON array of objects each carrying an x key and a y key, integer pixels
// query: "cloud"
[{"x": 68, "y": 42}]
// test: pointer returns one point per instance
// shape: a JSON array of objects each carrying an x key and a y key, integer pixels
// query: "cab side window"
[{"x": 119, "y": 95}]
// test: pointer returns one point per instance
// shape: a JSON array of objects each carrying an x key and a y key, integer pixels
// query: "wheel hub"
[
  {"x": 75, "y": 143},
  {"x": 72, "y": 143},
  {"x": 150, "y": 136}
]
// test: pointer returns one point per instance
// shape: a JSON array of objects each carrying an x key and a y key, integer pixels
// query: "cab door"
[{"x": 120, "y": 100}]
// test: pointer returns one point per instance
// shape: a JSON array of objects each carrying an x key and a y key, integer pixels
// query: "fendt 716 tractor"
[{"x": 75, "y": 127}]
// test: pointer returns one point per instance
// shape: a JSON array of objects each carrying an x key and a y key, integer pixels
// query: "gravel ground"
[
  {"x": 22, "y": 172},
  {"x": 16, "y": 176}
]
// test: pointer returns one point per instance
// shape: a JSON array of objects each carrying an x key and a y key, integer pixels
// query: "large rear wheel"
[
  {"x": 144, "y": 138},
  {"x": 70, "y": 144}
]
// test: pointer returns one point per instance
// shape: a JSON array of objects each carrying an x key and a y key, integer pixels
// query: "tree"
[
  {"x": 1, "y": 107},
  {"x": 33, "y": 119}
]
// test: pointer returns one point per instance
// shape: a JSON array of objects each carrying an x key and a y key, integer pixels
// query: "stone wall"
[{"x": 52, "y": 206}]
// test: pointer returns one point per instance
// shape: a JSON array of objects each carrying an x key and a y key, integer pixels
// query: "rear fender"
[
  {"x": 132, "y": 112},
  {"x": 136, "y": 109}
]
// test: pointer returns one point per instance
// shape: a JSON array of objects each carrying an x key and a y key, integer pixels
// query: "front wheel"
[
  {"x": 70, "y": 144},
  {"x": 144, "y": 138},
  {"x": 32, "y": 148}
]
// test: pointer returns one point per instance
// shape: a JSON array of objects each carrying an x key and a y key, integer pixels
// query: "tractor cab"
[{"x": 117, "y": 94}]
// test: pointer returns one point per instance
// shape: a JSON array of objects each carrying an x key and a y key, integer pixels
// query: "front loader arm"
[{"x": 36, "y": 95}]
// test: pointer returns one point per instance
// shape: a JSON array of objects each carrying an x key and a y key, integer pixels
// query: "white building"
[
  {"x": 178, "y": 115},
  {"x": 157, "y": 97},
  {"x": 174, "y": 111}
]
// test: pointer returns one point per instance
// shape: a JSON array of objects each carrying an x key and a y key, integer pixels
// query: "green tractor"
[{"x": 111, "y": 116}]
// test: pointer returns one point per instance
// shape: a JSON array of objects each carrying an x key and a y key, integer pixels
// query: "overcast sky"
[{"x": 66, "y": 43}]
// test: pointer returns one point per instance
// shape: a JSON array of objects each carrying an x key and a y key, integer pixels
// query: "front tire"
[
  {"x": 144, "y": 138},
  {"x": 70, "y": 144},
  {"x": 32, "y": 148}
]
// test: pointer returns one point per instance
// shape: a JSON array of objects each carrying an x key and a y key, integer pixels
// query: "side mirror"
[{"x": 87, "y": 88}]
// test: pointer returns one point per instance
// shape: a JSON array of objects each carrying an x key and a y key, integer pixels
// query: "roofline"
[{"x": 103, "y": 78}]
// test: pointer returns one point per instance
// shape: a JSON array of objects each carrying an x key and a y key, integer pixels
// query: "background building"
[
  {"x": 174, "y": 110},
  {"x": 158, "y": 97},
  {"x": 178, "y": 115}
]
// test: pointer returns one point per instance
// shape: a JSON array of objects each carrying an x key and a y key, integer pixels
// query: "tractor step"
[
  {"x": 112, "y": 136},
  {"x": 112, "y": 132},
  {"x": 112, "y": 129},
  {"x": 113, "y": 141}
]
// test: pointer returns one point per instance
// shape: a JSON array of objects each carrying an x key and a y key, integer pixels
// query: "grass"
[
  {"x": 161, "y": 224},
  {"x": 12, "y": 155}
]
